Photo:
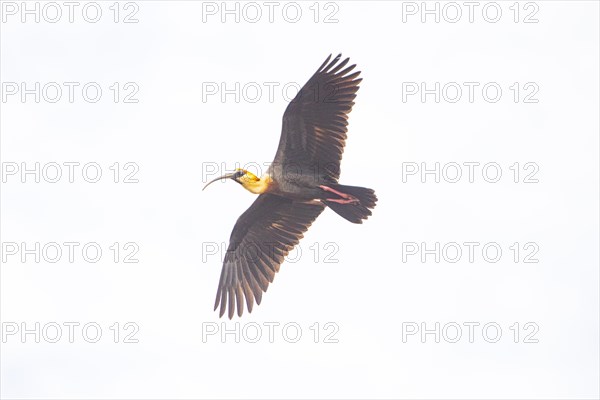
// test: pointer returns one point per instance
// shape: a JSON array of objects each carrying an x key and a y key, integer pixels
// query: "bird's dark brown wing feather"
[
  {"x": 263, "y": 235},
  {"x": 315, "y": 122}
]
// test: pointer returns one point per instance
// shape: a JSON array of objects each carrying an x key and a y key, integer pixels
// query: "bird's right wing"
[{"x": 263, "y": 235}]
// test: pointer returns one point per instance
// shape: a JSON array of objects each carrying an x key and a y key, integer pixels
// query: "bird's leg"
[
  {"x": 341, "y": 194},
  {"x": 345, "y": 198},
  {"x": 342, "y": 201}
]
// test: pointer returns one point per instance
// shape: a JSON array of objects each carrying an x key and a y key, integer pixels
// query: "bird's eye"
[{"x": 239, "y": 174}]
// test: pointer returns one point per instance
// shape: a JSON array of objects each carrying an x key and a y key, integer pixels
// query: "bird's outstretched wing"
[
  {"x": 315, "y": 122},
  {"x": 263, "y": 235}
]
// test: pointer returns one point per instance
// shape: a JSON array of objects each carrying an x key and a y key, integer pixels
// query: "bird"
[{"x": 298, "y": 185}]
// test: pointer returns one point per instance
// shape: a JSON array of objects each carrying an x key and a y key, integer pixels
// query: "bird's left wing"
[
  {"x": 315, "y": 122},
  {"x": 263, "y": 235}
]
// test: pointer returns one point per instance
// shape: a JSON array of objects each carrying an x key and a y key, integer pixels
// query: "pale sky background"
[{"x": 370, "y": 294}]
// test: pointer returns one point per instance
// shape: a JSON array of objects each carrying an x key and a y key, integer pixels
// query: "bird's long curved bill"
[{"x": 226, "y": 176}]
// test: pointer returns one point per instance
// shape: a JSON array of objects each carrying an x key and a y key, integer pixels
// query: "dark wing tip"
[
  {"x": 231, "y": 305},
  {"x": 223, "y": 303},
  {"x": 218, "y": 299},
  {"x": 331, "y": 64},
  {"x": 258, "y": 298},
  {"x": 324, "y": 63},
  {"x": 336, "y": 68}
]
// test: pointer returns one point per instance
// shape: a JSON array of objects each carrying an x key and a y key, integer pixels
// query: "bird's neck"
[{"x": 257, "y": 186}]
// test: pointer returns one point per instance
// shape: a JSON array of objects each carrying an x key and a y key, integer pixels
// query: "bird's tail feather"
[{"x": 354, "y": 212}]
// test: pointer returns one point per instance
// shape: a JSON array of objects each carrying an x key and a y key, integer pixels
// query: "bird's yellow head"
[{"x": 248, "y": 180}]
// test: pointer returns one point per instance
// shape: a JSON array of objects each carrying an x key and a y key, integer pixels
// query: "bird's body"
[{"x": 299, "y": 184}]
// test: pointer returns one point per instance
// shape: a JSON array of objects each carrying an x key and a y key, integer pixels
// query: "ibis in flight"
[{"x": 300, "y": 182}]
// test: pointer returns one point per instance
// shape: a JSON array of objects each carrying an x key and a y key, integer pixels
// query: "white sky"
[{"x": 177, "y": 132}]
